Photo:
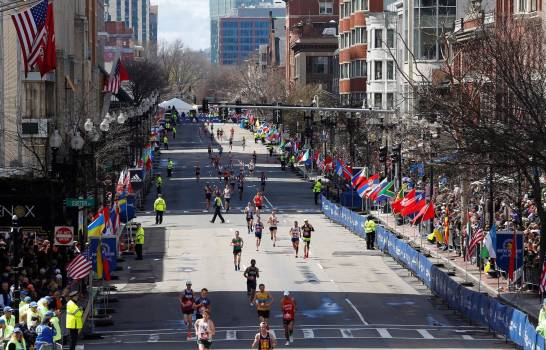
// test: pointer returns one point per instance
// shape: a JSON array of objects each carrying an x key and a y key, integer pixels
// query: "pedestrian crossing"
[{"x": 311, "y": 332}]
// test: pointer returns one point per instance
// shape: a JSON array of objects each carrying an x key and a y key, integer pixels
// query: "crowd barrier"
[{"x": 479, "y": 308}]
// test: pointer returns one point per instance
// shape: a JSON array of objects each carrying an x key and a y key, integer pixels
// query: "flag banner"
[
  {"x": 48, "y": 61},
  {"x": 503, "y": 249},
  {"x": 79, "y": 267},
  {"x": 95, "y": 228},
  {"x": 542, "y": 286},
  {"x": 491, "y": 242},
  {"x": 108, "y": 255},
  {"x": 476, "y": 239},
  {"x": 117, "y": 75}
]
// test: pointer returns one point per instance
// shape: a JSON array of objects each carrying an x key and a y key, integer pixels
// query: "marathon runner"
[
  {"x": 262, "y": 181},
  {"x": 251, "y": 167},
  {"x": 208, "y": 194},
  {"x": 249, "y": 212},
  {"x": 258, "y": 203},
  {"x": 295, "y": 235},
  {"x": 273, "y": 221},
  {"x": 251, "y": 274},
  {"x": 201, "y": 303},
  {"x": 241, "y": 185},
  {"x": 254, "y": 157},
  {"x": 197, "y": 172},
  {"x": 263, "y": 301},
  {"x": 288, "y": 309},
  {"x": 264, "y": 339},
  {"x": 237, "y": 244},
  {"x": 204, "y": 330},
  {"x": 210, "y": 151},
  {"x": 244, "y": 143},
  {"x": 227, "y": 197},
  {"x": 258, "y": 230},
  {"x": 306, "y": 236},
  {"x": 186, "y": 304}
]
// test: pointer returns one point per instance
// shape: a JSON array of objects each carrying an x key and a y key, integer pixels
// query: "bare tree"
[{"x": 146, "y": 77}]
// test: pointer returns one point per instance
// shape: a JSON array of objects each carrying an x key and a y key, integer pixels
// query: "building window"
[
  {"x": 390, "y": 100},
  {"x": 533, "y": 5},
  {"x": 390, "y": 70},
  {"x": 378, "y": 70},
  {"x": 353, "y": 37},
  {"x": 520, "y": 6},
  {"x": 378, "y": 39},
  {"x": 390, "y": 38},
  {"x": 361, "y": 35},
  {"x": 326, "y": 7},
  {"x": 378, "y": 100},
  {"x": 319, "y": 65}
]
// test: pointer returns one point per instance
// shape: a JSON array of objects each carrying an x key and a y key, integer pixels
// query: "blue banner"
[
  {"x": 108, "y": 249},
  {"x": 504, "y": 249}
]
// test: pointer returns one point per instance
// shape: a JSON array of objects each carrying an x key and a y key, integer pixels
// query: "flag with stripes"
[
  {"x": 543, "y": 278},
  {"x": 79, "y": 267},
  {"x": 117, "y": 75},
  {"x": 476, "y": 239},
  {"x": 32, "y": 33}
]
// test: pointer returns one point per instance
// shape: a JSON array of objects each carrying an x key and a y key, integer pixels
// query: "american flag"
[
  {"x": 117, "y": 75},
  {"x": 476, "y": 239},
  {"x": 79, "y": 267},
  {"x": 543, "y": 278},
  {"x": 32, "y": 32}
]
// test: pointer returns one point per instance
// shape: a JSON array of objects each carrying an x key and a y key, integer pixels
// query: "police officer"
[
  {"x": 139, "y": 240},
  {"x": 17, "y": 341},
  {"x": 159, "y": 207},
  {"x": 170, "y": 166},
  {"x": 217, "y": 208},
  {"x": 8, "y": 317},
  {"x": 56, "y": 323},
  {"x": 165, "y": 142},
  {"x": 174, "y": 132},
  {"x": 158, "y": 183},
  {"x": 369, "y": 228},
  {"x": 317, "y": 188},
  {"x": 74, "y": 319}
]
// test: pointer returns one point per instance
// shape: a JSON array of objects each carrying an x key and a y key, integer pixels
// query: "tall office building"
[
  {"x": 241, "y": 36},
  {"x": 154, "y": 17},
  {"x": 225, "y": 8},
  {"x": 135, "y": 14}
]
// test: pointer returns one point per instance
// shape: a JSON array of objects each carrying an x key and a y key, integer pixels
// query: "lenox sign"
[{"x": 22, "y": 211}]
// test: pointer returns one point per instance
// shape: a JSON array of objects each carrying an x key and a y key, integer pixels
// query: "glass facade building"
[
  {"x": 241, "y": 36},
  {"x": 135, "y": 14}
]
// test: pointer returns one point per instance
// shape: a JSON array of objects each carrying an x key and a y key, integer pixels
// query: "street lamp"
[
  {"x": 105, "y": 124},
  {"x": 88, "y": 125},
  {"x": 77, "y": 141},
  {"x": 55, "y": 141},
  {"x": 121, "y": 118}
]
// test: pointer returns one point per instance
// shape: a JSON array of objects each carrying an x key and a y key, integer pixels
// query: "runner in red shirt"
[
  {"x": 288, "y": 309},
  {"x": 258, "y": 202}
]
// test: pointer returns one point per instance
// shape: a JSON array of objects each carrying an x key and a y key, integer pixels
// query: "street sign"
[
  {"x": 64, "y": 235},
  {"x": 77, "y": 202}
]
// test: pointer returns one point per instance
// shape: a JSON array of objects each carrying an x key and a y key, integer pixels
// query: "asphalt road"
[{"x": 347, "y": 297}]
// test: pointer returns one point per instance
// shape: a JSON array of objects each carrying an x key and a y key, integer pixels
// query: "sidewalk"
[{"x": 528, "y": 302}]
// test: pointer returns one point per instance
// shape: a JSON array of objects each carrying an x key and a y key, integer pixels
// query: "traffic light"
[
  {"x": 205, "y": 105},
  {"x": 383, "y": 154},
  {"x": 238, "y": 109}
]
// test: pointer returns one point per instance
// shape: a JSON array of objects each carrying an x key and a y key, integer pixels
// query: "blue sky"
[{"x": 187, "y": 20}]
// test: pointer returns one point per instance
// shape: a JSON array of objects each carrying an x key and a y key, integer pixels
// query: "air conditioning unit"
[{"x": 34, "y": 128}]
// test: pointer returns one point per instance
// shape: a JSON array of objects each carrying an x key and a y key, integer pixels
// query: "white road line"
[
  {"x": 384, "y": 333},
  {"x": 467, "y": 337},
  {"x": 425, "y": 334},
  {"x": 308, "y": 333},
  {"x": 320, "y": 266},
  {"x": 356, "y": 311},
  {"x": 153, "y": 338},
  {"x": 346, "y": 333},
  {"x": 231, "y": 335},
  {"x": 268, "y": 202}
]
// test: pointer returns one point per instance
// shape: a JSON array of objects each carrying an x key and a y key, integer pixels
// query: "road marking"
[
  {"x": 346, "y": 333},
  {"x": 268, "y": 202},
  {"x": 425, "y": 334},
  {"x": 384, "y": 333},
  {"x": 154, "y": 338},
  {"x": 467, "y": 337},
  {"x": 308, "y": 333},
  {"x": 320, "y": 266},
  {"x": 231, "y": 335},
  {"x": 356, "y": 311}
]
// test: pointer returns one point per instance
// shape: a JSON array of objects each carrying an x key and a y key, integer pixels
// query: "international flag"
[
  {"x": 376, "y": 188},
  {"x": 365, "y": 185},
  {"x": 385, "y": 193},
  {"x": 118, "y": 74},
  {"x": 446, "y": 226},
  {"x": 358, "y": 178},
  {"x": 397, "y": 203},
  {"x": 425, "y": 214},
  {"x": 303, "y": 157},
  {"x": 339, "y": 168},
  {"x": 491, "y": 242},
  {"x": 105, "y": 265},
  {"x": 414, "y": 205},
  {"x": 95, "y": 228},
  {"x": 100, "y": 265},
  {"x": 79, "y": 267},
  {"x": 542, "y": 286},
  {"x": 476, "y": 239},
  {"x": 328, "y": 164},
  {"x": 30, "y": 25},
  {"x": 48, "y": 60}
]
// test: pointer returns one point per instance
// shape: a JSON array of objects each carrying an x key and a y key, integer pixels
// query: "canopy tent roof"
[{"x": 177, "y": 103}]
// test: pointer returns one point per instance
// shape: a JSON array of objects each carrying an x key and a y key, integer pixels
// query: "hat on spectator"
[
  {"x": 27, "y": 299},
  {"x": 73, "y": 293},
  {"x": 17, "y": 330},
  {"x": 8, "y": 309},
  {"x": 24, "y": 292},
  {"x": 49, "y": 314},
  {"x": 33, "y": 304},
  {"x": 30, "y": 287},
  {"x": 59, "y": 276}
]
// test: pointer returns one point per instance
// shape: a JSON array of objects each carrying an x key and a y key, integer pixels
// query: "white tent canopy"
[{"x": 180, "y": 105}]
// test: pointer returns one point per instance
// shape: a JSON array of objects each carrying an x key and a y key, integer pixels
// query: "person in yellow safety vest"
[
  {"x": 158, "y": 183},
  {"x": 33, "y": 316},
  {"x": 8, "y": 317},
  {"x": 369, "y": 229},
  {"x": 541, "y": 328},
  {"x": 256, "y": 137},
  {"x": 292, "y": 161},
  {"x": 139, "y": 240},
  {"x": 43, "y": 305},
  {"x": 57, "y": 327},
  {"x": 170, "y": 166},
  {"x": 159, "y": 207},
  {"x": 17, "y": 341},
  {"x": 165, "y": 142},
  {"x": 168, "y": 126},
  {"x": 317, "y": 188},
  {"x": 5, "y": 331},
  {"x": 23, "y": 308},
  {"x": 74, "y": 319},
  {"x": 174, "y": 132}
]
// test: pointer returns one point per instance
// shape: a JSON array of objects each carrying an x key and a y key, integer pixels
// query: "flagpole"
[{"x": 480, "y": 268}]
